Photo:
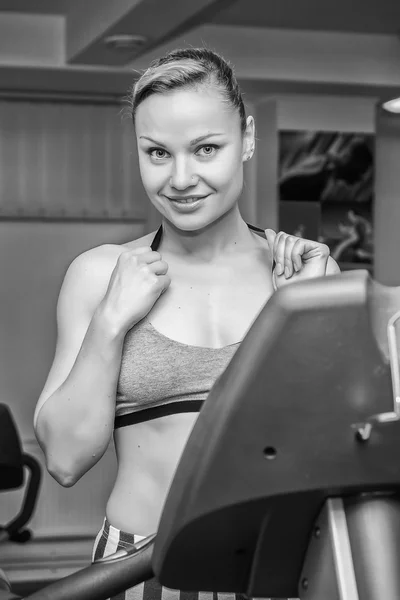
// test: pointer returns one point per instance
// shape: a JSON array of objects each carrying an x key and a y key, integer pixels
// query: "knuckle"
[
  {"x": 144, "y": 269},
  {"x": 152, "y": 281},
  {"x": 135, "y": 260},
  {"x": 125, "y": 256},
  {"x": 139, "y": 251}
]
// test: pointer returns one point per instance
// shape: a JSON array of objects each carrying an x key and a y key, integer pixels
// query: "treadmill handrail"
[{"x": 104, "y": 578}]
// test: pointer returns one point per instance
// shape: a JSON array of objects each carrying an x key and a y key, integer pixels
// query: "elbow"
[
  {"x": 63, "y": 471},
  {"x": 67, "y": 460},
  {"x": 65, "y": 477},
  {"x": 66, "y": 472},
  {"x": 68, "y": 469}
]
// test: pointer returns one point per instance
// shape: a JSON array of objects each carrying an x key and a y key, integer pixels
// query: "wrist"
[{"x": 105, "y": 323}]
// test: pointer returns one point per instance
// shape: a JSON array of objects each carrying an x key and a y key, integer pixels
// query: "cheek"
[
  {"x": 227, "y": 172},
  {"x": 152, "y": 178}
]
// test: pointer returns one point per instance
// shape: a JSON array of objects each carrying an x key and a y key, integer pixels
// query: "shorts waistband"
[{"x": 118, "y": 535}]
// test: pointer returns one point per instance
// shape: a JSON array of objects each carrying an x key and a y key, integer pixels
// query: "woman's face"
[{"x": 191, "y": 151}]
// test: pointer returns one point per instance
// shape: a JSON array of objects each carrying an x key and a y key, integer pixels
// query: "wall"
[
  {"x": 33, "y": 260},
  {"x": 34, "y": 255}
]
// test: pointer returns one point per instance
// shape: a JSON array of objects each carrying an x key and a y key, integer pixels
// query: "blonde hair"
[{"x": 185, "y": 68}]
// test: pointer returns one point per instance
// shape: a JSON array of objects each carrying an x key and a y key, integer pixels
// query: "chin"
[
  {"x": 188, "y": 224},
  {"x": 194, "y": 222}
]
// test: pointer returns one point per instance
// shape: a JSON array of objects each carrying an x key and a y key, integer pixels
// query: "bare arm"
[
  {"x": 105, "y": 292},
  {"x": 74, "y": 415}
]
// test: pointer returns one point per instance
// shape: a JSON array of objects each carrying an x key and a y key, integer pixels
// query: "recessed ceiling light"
[
  {"x": 392, "y": 106},
  {"x": 125, "y": 42}
]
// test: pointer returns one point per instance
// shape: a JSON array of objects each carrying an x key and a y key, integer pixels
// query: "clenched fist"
[
  {"x": 297, "y": 258},
  {"x": 137, "y": 281}
]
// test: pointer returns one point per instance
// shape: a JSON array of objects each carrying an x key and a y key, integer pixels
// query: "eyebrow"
[{"x": 192, "y": 143}]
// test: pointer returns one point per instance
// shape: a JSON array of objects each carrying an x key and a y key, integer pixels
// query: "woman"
[{"x": 145, "y": 328}]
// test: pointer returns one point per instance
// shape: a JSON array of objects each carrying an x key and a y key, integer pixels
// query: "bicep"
[{"x": 75, "y": 307}]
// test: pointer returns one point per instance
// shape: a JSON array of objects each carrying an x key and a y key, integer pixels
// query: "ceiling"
[
  {"x": 87, "y": 63},
  {"x": 57, "y": 7},
  {"x": 367, "y": 16},
  {"x": 362, "y": 16}
]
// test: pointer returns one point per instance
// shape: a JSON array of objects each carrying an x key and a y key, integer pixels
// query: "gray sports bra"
[{"x": 160, "y": 376}]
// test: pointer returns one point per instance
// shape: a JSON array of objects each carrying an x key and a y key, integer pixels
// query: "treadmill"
[{"x": 289, "y": 485}]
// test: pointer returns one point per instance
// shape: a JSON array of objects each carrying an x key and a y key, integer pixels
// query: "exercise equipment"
[
  {"x": 289, "y": 483},
  {"x": 12, "y": 464}
]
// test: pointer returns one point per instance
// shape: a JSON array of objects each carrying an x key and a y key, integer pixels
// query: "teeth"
[{"x": 187, "y": 200}]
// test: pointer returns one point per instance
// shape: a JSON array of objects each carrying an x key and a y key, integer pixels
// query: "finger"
[
  {"x": 140, "y": 250},
  {"x": 311, "y": 249},
  {"x": 150, "y": 257},
  {"x": 270, "y": 237},
  {"x": 290, "y": 241},
  {"x": 160, "y": 267},
  {"x": 279, "y": 253},
  {"x": 165, "y": 282},
  {"x": 297, "y": 254}
]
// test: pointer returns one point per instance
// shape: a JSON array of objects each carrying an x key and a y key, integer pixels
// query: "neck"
[{"x": 226, "y": 235}]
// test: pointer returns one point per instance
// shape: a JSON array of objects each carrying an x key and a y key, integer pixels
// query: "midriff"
[{"x": 148, "y": 454}]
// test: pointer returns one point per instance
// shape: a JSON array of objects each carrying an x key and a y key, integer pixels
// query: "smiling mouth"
[{"x": 185, "y": 199}]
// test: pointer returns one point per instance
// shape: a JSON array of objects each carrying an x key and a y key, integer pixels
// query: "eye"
[
  {"x": 208, "y": 150},
  {"x": 157, "y": 153}
]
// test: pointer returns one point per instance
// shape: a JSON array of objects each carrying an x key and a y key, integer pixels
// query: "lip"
[
  {"x": 180, "y": 198},
  {"x": 186, "y": 207}
]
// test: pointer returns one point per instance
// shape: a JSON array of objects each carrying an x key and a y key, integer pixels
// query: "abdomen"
[{"x": 148, "y": 454}]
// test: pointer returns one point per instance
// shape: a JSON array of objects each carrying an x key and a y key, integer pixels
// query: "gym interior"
[{"x": 70, "y": 182}]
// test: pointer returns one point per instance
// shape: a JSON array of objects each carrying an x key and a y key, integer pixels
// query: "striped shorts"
[{"x": 110, "y": 539}]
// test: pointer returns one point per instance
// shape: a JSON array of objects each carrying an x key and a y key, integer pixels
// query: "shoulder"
[
  {"x": 88, "y": 275},
  {"x": 332, "y": 268},
  {"x": 145, "y": 240},
  {"x": 100, "y": 261},
  {"x": 94, "y": 264}
]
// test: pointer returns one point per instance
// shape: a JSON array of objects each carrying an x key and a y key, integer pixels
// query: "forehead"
[{"x": 187, "y": 112}]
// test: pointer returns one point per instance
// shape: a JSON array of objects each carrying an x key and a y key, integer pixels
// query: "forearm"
[{"x": 75, "y": 424}]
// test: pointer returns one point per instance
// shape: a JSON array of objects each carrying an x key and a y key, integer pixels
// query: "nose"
[{"x": 182, "y": 175}]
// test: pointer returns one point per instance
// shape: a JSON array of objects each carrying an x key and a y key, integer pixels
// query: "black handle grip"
[
  {"x": 104, "y": 579},
  {"x": 29, "y": 503}
]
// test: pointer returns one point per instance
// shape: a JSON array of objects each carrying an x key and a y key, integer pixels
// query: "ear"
[{"x": 248, "y": 139}]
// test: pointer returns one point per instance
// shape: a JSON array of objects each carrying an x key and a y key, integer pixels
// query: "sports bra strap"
[
  {"x": 155, "y": 244},
  {"x": 157, "y": 239}
]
